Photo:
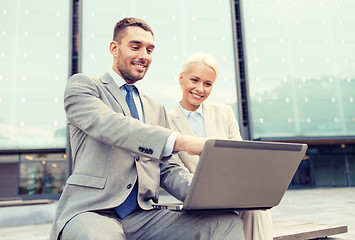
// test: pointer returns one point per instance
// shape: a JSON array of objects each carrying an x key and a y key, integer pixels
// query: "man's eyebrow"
[
  {"x": 140, "y": 42},
  {"x": 135, "y": 41}
]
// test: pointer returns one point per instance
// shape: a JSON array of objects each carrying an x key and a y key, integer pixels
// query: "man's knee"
[
  {"x": 231, "y": 226},
  {"x": 223, "y": 226},
  {"x": 90, "y": 226}
]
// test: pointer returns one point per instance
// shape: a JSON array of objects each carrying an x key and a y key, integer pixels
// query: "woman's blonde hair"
[{"x": 203, "y": 58}]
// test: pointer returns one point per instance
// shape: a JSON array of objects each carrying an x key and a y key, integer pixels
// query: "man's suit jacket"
[
  {"x": 219, "y": 121},
  {"x": 110, "y": 151}
]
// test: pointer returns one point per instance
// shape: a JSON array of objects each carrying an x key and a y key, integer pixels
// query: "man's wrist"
[{"x": 169, "y": 147}]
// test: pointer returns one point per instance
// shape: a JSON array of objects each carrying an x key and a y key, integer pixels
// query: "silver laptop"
[{"x": 240, "y": 175}]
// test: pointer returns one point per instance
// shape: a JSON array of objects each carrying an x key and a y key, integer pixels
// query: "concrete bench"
[
  {"x": 19, "y": 202},
  {"x": 295, "y": 230}
]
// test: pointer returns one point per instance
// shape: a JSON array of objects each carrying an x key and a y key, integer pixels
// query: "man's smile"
[{"x": 140, "y": 66}]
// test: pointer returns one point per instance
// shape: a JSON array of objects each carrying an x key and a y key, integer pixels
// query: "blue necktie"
[
  {"x": 130, "y": 101},
  {"x": 130, "y": 203}
]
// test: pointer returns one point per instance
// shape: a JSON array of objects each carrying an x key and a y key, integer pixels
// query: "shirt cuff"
[{"x": 169, "y": 145}]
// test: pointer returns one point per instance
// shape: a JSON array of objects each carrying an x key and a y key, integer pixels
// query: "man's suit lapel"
[
  {"x": 209, "y": 120},
  {"x": 115, "y": 91},
  {"x": 181, "y": 121},
  {"x": 146, "y": 108}
]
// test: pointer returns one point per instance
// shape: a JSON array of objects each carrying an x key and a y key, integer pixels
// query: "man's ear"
[{"x": 113, "y": 48}]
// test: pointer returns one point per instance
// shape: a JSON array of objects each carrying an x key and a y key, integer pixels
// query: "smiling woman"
[
  {"x": 195, "y": 117},
  {"x": 196, "y": 80}
]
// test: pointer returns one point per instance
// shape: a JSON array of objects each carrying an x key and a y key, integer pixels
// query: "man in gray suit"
[{"x": 122, "y": 152}]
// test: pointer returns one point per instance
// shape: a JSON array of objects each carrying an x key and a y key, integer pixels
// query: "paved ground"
[{"x": 327, "y": 206}]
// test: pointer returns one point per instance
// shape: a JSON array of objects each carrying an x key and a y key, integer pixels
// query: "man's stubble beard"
[{"x": 126, "y": 75}]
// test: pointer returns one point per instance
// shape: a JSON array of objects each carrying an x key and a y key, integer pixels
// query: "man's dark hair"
[{"x": 129, "y": 22}]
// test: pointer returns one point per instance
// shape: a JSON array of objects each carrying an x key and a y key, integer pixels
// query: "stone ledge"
[
  {"x": 19, "y": 202},
  {"x": 298, "y": 230},
  {"x": 26, "y": 212}
]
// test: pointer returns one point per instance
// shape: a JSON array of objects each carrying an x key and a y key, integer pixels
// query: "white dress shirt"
[{"x": 196, "y": 121}]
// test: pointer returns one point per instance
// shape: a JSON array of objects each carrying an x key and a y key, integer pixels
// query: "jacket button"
[
  {"x": 137, "y": 158},
  {"x": 129, "y": 186}
]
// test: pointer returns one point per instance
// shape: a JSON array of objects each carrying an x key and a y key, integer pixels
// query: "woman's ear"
[{"x": 181, "y": 78}]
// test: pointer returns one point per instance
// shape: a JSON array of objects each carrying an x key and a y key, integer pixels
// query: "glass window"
[
  {"x": 339, "y": 170},
  {"x": 351, "y": 169},
  {"x": 179, "y": 31},
  {"x": 323, "y": 171},
  {"x": 34, "y": 60},
  {"x": 42, "y": 173},
  {"x": 9, "y": 164},
  {"x": 301, "y": 67},
  {"x": 303, "y": 175}
]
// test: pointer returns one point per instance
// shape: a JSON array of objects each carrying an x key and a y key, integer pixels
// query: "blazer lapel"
[
  {"x": 115, "y": 92},
  {"x": 146, "y": 108},
  {"x": 181, "y": 121},
  {"x": 209, "y": 120}
]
